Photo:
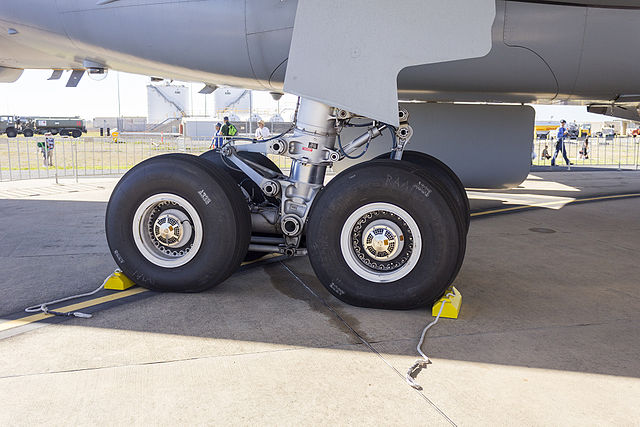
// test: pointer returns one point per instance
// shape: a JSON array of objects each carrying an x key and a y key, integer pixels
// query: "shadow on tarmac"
[{"x": 567, "y": 300}]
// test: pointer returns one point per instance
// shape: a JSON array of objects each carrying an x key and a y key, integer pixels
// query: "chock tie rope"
[
  {"x": 421, "y": 364},
  {"x": 45, "y": 309}
]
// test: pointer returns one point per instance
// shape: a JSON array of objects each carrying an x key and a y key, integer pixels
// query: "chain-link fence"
[
  {"x": 26, "y": 158},
  {"x": 621, "y": 152}
]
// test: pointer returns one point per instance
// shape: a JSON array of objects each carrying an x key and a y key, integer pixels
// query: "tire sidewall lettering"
[{"x": 402, "y": 184}]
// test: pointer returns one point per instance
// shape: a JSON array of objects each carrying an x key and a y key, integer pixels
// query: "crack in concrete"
[
  {"x": 539, "y": 328},
  {"x": 152, "y": 363}
]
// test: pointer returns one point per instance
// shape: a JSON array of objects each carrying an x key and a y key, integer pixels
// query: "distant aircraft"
[{"x": 387, "y": 233}]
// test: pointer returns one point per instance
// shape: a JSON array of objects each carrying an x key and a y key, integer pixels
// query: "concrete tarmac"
[{"x": 548, "y": 332}]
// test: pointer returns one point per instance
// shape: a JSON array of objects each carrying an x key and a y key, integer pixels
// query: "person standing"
[
  {"x": 584, "y": 152},
  {"x": 562, "y": 134},
  {"x": 262, "y": 132},
  {"x": 46, "y": 148},
  {"x": 217, "y": 140},
  {"x": 228, "y": 129}
]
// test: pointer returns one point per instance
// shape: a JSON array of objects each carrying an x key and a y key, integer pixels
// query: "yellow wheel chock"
[
  {"x": 118, "y": 282},
  {"x": 452, "y": 304}
]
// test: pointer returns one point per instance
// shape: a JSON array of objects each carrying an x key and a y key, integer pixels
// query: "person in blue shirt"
[
  {"x": 218, "y": 139},
  {"x": 562, "y": 134}
]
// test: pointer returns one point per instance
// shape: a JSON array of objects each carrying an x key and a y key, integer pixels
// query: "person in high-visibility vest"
[{"x": 228, "y": 129}]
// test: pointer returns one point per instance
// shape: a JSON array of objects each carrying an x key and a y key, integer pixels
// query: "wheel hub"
[
  {"x": 167, "y": 230},
  {"x": 382, "y": 240}
]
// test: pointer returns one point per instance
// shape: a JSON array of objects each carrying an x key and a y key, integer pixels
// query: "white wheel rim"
[
  {"x": 164, "y": 246},
  {"x": 355, "y": 262}
]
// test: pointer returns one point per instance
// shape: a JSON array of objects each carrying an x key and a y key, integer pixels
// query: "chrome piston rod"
[{"x": 363, "y": 139}]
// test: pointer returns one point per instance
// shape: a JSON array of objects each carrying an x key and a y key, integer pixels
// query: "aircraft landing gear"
[{"x": 387, "y": 233}]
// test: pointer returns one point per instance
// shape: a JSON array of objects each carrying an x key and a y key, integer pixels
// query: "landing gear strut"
[{"x": 388, "y": 233}]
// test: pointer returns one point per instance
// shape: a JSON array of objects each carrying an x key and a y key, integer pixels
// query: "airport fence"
[
  {"x": 21, "y": 158},
  {"x": 620, "y": 152}
]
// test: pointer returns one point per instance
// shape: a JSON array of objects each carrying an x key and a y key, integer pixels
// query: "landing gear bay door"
[{"x": 348, "y": 53}]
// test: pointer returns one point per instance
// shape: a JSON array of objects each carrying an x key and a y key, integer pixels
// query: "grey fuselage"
[{"x": 575, "y": 52}]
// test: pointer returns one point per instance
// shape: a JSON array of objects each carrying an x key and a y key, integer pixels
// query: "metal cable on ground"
[
  {"x": 361, "y": 338},
  {"x": 45, "y": 309},
  {"x": 421, "y": 364}
]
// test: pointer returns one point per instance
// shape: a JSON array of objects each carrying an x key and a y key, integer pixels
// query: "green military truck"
[
  {"x": 12, "y": 126},
  {"x": 65, "y": 126},
  {"x": 28, "y": 126}
]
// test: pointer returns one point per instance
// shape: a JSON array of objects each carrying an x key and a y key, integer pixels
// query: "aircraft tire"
[
  {"x": 404, "y": 212},
  {"x": 455, "y": 194},
  {"x": 251, "y": 188},
  {"x": 175, "y": 223},
  {"x": 446, "y": 176}
]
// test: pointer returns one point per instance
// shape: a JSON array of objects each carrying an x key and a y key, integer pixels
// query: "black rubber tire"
[
  {"x": 254, "y": 191},
  {"x": 76, "y": 133},
  {"x": 28, "y": 133},
  {"x": 64, "y": 132},
  {"x": 445, "y": 175},
  {"x": 220, "y": 204},
  {"x": 454, "y": 193},
  {"x": 403, "y": 185},
  {"x": 11, "y": 133}
]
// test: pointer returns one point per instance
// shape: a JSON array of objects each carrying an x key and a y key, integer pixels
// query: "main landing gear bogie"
[{"x": 383, "y": 233}]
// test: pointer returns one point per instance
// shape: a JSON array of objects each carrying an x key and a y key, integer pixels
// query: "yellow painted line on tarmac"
[
  {"x": 73, "y": 307},
  {"x": 10, "y": 324},
  {"x": 555, "y": 202}
]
